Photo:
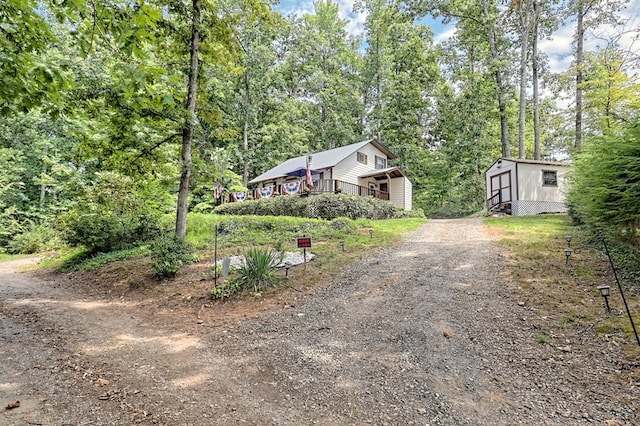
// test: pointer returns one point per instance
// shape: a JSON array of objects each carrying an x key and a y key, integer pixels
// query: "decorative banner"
[
  {"x": 290, "y": 188},
  {"x": 218, "y": 190},
  {"x": 309, "y": 178},
  {"x": 239, "y": 197},
  {"x": 265, "y": 192}
]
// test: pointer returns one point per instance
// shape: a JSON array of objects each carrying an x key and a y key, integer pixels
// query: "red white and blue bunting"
[
  {"x": 290, "y": 188},
  {"x": 265, "y": 192},
  {"x": 239, "y": 197}
]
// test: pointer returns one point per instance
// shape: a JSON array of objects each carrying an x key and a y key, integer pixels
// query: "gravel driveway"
[{"x": 425, "y": 333}]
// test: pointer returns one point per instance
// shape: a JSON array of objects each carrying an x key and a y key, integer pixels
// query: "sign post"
[{"x": 304, "y": 243}]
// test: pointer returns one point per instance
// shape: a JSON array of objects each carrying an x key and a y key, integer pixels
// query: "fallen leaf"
[
  {"x": 13, "y": 405},
  {"x": 101, "y": 382},
  {"x": 447, "y": 335}
]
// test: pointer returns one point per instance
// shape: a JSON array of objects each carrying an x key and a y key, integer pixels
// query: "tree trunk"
[
  {"x": 525, "y": 23},
  {"x": 502, "y": 106},
  {"x": 245, "y": 134},
  {"x": 187, "y": 130},
  {"x": 534, "y": 77},
  {"x": 43, "y": 187},
  {"x": 579, "y": 76}
]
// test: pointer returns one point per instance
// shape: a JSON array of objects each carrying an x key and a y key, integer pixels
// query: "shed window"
[
  {"x": 381, "y": 162},
  {"x": 549, "y": 178},
  {"x": 362, "y": 158}
]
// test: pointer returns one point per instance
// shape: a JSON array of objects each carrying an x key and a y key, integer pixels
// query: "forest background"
[{"x": 140, "y": 108}]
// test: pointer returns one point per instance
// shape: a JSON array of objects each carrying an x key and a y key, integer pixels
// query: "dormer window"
[{"x": 381, "y": 162}]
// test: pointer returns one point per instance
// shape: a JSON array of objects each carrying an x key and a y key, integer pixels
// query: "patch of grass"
[
  {"x": 565, "y": 296},
  {"x": 5, "y": 257},
  {"x": 543, "y": 339},
  {"x": 81, "y": 260}
]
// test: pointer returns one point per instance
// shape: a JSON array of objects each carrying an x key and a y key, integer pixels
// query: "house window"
[
  {"x": 381, "y": 162},
  {"x": 549, "y": 178},
  {"x": 362, "y": 158}
]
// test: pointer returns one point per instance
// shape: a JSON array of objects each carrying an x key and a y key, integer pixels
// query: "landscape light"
[
  {"x": 287, "y": 265},
  {"x": 567, "y": 253},
  {"x": 568, "y": 238},
  {"x": 342, "y": 244},
  {"x": 605, "y": 290}
]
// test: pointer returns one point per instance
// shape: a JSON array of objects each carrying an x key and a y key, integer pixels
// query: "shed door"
[{"x": 502, "y": 183}]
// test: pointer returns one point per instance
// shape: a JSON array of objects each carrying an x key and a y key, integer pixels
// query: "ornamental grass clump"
[{"x": 256, "y": 273}]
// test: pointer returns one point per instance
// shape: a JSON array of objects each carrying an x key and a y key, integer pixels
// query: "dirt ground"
[{"x": 428, "y": 332}]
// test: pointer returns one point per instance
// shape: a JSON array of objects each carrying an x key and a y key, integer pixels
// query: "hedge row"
[{"x": 324, "y": 206}]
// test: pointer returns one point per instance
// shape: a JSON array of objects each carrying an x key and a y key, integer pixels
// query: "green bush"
[
  {"x": 170, "y": 253},
  {"x": 36, "y": 238},
  {"x": 110, "y": 216},
  {"x": 325, "y": 206},
  {"x": 605, "y": 188},
  {"x": 257, "y": 272}
]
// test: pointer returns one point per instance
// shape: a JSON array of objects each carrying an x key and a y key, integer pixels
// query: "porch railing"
[
  {"x": 342, "y": 187},
  {"x": 494, "y": 201},
  {"x": 338, "y": 187}
]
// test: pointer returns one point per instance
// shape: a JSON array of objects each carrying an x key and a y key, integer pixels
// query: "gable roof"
[
  {"x": 320, "y": 160},
  {"x": 522, "y": 160}
]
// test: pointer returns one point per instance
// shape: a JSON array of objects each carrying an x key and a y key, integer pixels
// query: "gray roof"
[{"x": 319, "y": 160}]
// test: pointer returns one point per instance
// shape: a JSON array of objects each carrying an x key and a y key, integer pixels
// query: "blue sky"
[{"x": 557, "y": 47}]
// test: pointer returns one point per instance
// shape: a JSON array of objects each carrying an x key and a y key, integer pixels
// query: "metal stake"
[
  {"x": 215, "y": 256},
  {"x": 624, "y": 299}
]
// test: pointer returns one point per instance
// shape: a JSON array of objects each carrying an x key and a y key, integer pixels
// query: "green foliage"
[
  {"x": 111, "y": 216},
  {"x": 170, "y": 253},
  {"x": 257, "y": 272},
  {"x": 326, "y": 206},
  {"x": 36, "y": 238},
  {"x": 605, "y": 190},
  {"x": 83, "y": 260}
]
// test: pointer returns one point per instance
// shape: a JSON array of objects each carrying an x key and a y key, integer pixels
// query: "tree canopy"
[{"x": 181, "y": 96}]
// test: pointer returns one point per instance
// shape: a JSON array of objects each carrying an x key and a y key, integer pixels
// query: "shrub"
[
  {"x": 325, "y": 206},
  {"x": 36, "y": 238},
  {"x": 257, "y": 272},
  {"x": 111, "y": 216},
  {"x": 169, "y": 254}
]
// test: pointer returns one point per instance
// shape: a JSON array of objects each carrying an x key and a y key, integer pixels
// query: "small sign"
[{"x": 304, "y": 242}]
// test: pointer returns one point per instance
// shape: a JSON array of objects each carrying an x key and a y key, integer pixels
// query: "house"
[
  {"x": 526, "y": 187},
  {"x": 358, "y": 169}
]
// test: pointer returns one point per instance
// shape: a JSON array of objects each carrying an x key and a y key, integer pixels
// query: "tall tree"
[
  {"x": 189, "y": 121},
  {"x": 589, "y": 14},
  {"x": 478, "y": 25}
]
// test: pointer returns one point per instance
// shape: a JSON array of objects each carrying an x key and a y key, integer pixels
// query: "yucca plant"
[{"x": 258, "y": 269}]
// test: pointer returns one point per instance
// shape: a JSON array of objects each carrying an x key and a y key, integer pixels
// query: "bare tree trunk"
[
  {"x": 245, "y": 134},
  {"x": 502, "y": 106},
  {"x": 187, "y": 130},
  {"x": 43, "y": 187},
  {"x": 579, "y": 76},
  {"x": 525, "y": 27},
  {"x": 536, "y": 95}
]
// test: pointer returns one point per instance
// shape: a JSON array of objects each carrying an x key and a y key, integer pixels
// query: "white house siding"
[
  {"x": 536, "y": 198},
  {"x": 350, "y": 168},
  {"x": 400, "y": 192},
  {"x": 500, "y": 170},
  {"x": 527, "y": 194}
]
